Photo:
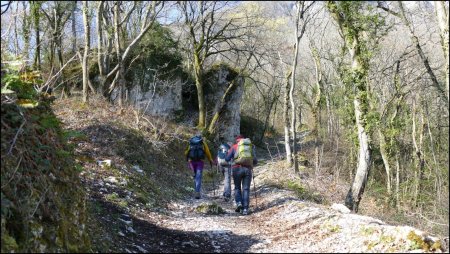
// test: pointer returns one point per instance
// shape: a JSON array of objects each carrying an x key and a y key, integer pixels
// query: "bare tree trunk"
[
  {"x": 350, "y": 168},
  {"x": 316, "y": 106},
  {"x": 438, "y": 184},
  {"x": 291, "y": 97},
  {"x": 60, "y": 56},
  {"x": 356, "y": 191},
  {"x": 16, "y": 34},
  {"x": 397, "y": 183},
  {"x": 354, "y": 40},
  {"x": 87, "y": 40},
  {"x": 26, "y": 31},
  {"x": 231, "y": 88},
  {"x": 100, "y": 40},
  {"x": 36, "y": 18},
  {"x": 385, "y": 158},
  {"x": 200, "y": 94},
  {"x": 420, "y": 162},
  {"x": 442, "y": 17},
  {"x": 53, "y": 19},
  {"x": 287, "y": 138},
  {"x": 118, "y": 51},
  {"x": 74, "y": 30}
]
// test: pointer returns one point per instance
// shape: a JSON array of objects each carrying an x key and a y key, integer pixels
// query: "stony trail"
[{"x": 280, "y": 223}]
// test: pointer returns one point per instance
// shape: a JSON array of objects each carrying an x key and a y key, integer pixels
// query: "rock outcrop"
[
  {"x": 164, "y": 98},
  {"x": 217, "y": 81}
]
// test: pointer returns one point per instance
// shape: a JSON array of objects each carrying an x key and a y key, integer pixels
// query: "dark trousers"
[{"x": 242, "y": 178}]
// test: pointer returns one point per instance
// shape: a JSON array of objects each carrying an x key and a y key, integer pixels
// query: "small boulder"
[
  {"x": 111, "y": 179},
  {"x": 340, "y": 208}
]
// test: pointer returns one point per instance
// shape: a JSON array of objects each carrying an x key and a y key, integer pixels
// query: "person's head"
[{"x": 239, "y": 137}]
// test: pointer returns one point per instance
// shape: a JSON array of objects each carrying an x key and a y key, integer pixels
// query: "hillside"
[{"x": 143, "y": 202}]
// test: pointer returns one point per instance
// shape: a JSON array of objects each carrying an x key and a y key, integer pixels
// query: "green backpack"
[{"x": 244, "y": 153}]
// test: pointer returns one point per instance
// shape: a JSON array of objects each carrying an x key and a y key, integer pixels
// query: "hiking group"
[{"x": 234, "y": 161}]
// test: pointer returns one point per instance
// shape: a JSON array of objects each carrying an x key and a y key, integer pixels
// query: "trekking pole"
[
  {"x": 254, "y": 189},
  {"x": 214, "y": 185}
]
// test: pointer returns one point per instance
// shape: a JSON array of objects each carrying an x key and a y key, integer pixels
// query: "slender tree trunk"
[
  {"x": 100, "y": 40},
  {"x": 420, "y": 162},
  {"x": 385, "y": 158},
  {"x": 36, "y": 18},
  {"x": 87, "y": 40},
  {"x": 16, "y": 33},
  {"x": 438, "y": 184},
  {"x": 26, "y": 31},
  {"x": 118, "y": 51},
  {"x": 316, "y": 106},
  {"x": 442, "y": 17},
  {"x": 354, "y": 39},
  {"x": 397, "y": 183},
  {"x": 293, "y": 108},
  {"x": 351, "y": 163},
  {"x": 74, "y": 30},
  {"x": 287, "y": 138},
  {"x": 356, "y": 191},
  {"x": 60, "y": 55},
  {"x": 200, "y": 95},
  {"x": 231, "y": 88},
  {"x": 267, "y": 117},
  {"x": 54, "y": 39}
]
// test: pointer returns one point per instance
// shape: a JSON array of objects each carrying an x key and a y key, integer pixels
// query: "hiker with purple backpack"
[{"x": 195, "y": 154}]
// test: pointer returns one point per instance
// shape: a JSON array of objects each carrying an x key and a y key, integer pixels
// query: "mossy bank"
[{"x": 43, "y": 204}]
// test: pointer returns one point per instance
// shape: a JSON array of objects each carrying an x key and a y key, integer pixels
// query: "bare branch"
[
  {"x": 15, "y": 136},
  {"x": 8, "y": 4},
  {"x": 127, "y": 16}
]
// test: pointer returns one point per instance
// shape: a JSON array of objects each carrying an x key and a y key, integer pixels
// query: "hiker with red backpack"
[
  {"x": 243, "y": 155},
  {"x": 195, "y": 154}
]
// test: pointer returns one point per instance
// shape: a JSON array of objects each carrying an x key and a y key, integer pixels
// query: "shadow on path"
[{"x": 143, "y": 236}]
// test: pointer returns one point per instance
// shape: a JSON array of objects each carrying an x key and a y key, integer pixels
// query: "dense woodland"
[{"x": 368, "y": 82}]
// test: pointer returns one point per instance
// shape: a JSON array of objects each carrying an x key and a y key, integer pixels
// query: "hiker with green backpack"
[
  {"x": 243, "y": 155},
  {"x": 195, "y": 154}
]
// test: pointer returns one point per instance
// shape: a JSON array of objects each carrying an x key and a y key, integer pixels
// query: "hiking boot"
[
  {"x": 197, "y": 195},
  {"x": 245, "y": 212},
  {"x": 226, "y": 199},
  {"x": 238, "y": 208}
]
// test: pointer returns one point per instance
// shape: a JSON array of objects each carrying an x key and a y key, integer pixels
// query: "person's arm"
[
  {"x": 230, "y": 154},
  {"x": 186, "y": 153}
]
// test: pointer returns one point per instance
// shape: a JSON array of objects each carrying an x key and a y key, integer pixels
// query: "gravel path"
[{"x": 281, "y": 223}]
